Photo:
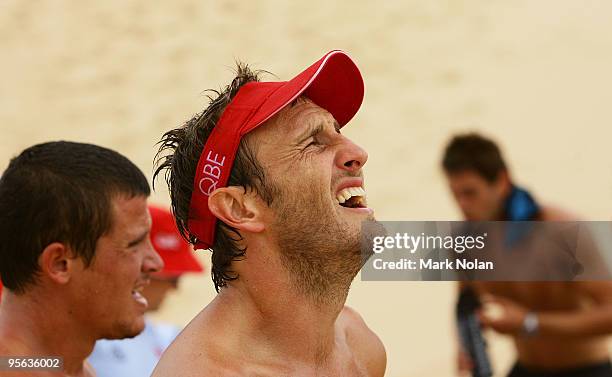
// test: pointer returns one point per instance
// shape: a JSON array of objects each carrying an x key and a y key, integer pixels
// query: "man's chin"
[
  {"x": 355, "y": 218},
  {"x": 128, "y": 329},
  {"x": 370, "y": 229}
]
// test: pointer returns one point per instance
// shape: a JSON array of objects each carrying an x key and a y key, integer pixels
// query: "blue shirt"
[{"x": 134, "y": 357}]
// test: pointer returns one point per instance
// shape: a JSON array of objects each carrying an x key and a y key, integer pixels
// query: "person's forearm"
[{"x": 590, "y": 322}]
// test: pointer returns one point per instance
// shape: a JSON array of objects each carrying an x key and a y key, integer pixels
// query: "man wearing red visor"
[
  {"x": 264, "y": 178},
  {"x": 138, "y": 356}
]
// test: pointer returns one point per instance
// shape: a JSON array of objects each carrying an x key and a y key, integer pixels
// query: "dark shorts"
[{"x": 603, "y": 369}]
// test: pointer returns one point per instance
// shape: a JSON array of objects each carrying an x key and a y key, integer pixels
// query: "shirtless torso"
[
  {"x": 553, "y": 352},
  {"x": 575, "y": 317},
  {"x": 221, "y": 341}
]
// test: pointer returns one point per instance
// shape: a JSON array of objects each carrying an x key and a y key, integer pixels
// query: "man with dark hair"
[
  {"x": 74, "y": 252},
  {"x": 559, "y": 328},
  {"x": 138, "y": 356},
  {"x": 479, "y": 180},
  {"x": 264, "y": 178}
]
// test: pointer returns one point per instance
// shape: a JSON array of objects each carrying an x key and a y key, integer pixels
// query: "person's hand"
[{"x": 502, "y": 315}]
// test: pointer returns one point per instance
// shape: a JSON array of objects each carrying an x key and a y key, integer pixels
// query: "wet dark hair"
[
  {"x": 178, "y": 156},
  {"x": 59, "y": 192},
  {"x": 473, "y": 152}
]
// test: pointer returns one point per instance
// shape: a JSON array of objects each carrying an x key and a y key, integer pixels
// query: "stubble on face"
[
  {"x": 321, "y": 252},
  {"x": 319, "y": 246}
]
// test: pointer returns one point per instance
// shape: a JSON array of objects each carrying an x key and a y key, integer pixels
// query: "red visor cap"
[
  {"x": 333, "y": 83},
  {"x": 176, "y": 253}
]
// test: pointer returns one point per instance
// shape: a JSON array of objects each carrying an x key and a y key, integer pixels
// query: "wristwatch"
[{"x": 531, "y": 324}]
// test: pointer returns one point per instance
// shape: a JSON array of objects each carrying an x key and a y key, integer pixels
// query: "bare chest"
[{"x": 535, "y": 295}]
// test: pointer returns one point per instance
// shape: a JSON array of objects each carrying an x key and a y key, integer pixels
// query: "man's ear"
[
  {"x": 236, "y": 208},
  {"x": 57, "y": 262}
]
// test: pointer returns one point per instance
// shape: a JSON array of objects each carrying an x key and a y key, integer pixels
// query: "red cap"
[
  {"x": 174, "y": 250},
  {"x": 333, "y": 83}
]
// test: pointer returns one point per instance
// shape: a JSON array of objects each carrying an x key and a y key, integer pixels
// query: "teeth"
[
  {"x": 348, "y": 192},
  {"x": 139, "y": 298},
  {"x": 347, "y": 195}
]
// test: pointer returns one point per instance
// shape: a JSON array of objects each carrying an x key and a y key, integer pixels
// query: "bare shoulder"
[
  {"x": 192, "y": 359},
  {"x": 199, "y": 350},
  {"x": 198, "y": 366},
  {"x": 187, "y": 355},
  {"x": 366, "y": 345}
]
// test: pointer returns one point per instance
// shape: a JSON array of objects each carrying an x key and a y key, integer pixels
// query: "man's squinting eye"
[
  {"x": 313, "y": 138},
  {"x": 313, "y": 142}
]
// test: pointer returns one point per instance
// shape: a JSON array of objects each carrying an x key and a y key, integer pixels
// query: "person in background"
[
  {"x": 138, "y": 356},
  {"x": 559, "y": 328}
]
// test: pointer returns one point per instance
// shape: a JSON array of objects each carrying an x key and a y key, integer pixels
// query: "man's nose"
[
  {"x": 152, "y": 262},
  {"x": 351, "y": 157}
]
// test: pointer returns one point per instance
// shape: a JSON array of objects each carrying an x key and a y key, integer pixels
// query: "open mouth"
[
  {"x": 138, "y": 297},
  {"x": 352, "y": 197}
]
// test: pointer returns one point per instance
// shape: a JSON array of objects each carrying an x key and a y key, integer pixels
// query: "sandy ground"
[{"x": 534, "y": 75}]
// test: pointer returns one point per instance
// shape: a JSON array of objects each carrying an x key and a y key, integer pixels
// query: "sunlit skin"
[
  {"x": 574, "y": 317},
  {"x": 71, "y": 305},
  {"x": 263, "y": 323}
]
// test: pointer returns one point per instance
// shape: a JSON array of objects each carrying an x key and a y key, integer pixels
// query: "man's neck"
[
  {"x": 285, "y": 321},
  {"x": 33, "y": 325}
]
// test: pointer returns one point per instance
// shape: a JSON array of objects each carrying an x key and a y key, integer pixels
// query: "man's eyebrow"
[
  {"x": 139, "y": 239},
  {"x": 310, "y": 131}
]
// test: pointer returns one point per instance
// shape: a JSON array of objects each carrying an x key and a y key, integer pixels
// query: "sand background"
[{"x": 535, "y": 75}]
